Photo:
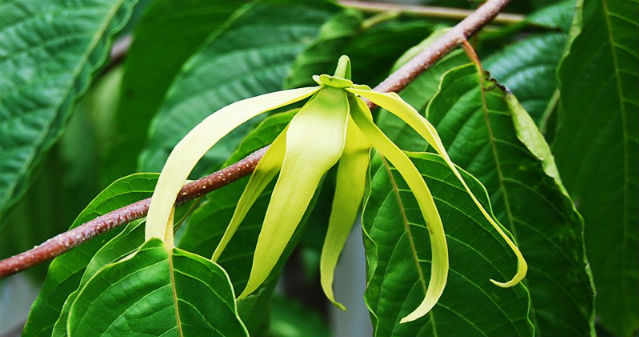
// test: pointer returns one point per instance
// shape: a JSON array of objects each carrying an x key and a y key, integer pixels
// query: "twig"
[
  {"x": 456, "y": 35},
  {"x": 445, "y": 13},
  {"x": 395, "y": 82},
  {"x": 78, "y": 235}
]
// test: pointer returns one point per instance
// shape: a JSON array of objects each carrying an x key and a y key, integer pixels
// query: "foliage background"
[{"x": 71, "y": 124}]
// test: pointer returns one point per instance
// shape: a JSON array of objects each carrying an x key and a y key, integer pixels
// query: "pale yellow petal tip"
[
  {"x": 337, "y": 304},
  {"x": 424, "y": 308},
  {"x": 504, "y": 284},
  {"x": 331, "y": 297},
  {"x": 521, "y": 274},
  {"x": 415, "y": 315}
]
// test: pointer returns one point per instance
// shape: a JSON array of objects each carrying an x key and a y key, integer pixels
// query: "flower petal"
[
  {"x": 196, "y": 143},
  {"x": 315, "y": 142},
  {"x": 349, "y": 191},
  {"x": 265, "y": 171},
  {"x": 416, "y": 183},
  {"x": 393, "y": 103}
]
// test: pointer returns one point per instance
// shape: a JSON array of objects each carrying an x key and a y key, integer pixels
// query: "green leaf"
[
  {"x": 125, "y": 243},
  {"x": 66, "y": 270},
  {"x": 470, "y": 304},
  {"x": 157, "y": 292},
  {"x": 528, "y": 67},
  {"x": 48, "y": 52},
  {"x": 168, "y": 33},
  {"x": 488, "y": 133},
  {"x": 250, "y": 56},
  {"x": 50, "y": 205},
  {"x": 596, "y": 150}
]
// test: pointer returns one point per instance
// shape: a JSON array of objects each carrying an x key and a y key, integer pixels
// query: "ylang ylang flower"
[{"x": 334, "y": 126}]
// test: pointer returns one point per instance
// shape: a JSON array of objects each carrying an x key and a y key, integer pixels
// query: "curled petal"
[
  {"x": 314, "y": 143},
  {"x": 349, "y": 191},
  {"x": 393, "y": 103},
  {"x": 196, "y": 143},
  {"x": 416, "y": 183},
  {"x": 265, "y": 171}
]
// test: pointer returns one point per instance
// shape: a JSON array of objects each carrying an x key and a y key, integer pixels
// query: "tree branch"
[
  {"x": 445, "y": 13},
  {"x": 395, "y": 82}
]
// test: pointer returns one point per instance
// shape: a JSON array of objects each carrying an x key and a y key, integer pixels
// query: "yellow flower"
[{"x": 334, "y": 126}]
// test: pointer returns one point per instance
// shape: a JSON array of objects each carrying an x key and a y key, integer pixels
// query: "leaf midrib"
[
  {"x": 409, "y": 234},
  {"x": 178, "y": 320}
]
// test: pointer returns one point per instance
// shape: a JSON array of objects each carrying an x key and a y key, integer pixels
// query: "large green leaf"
[
  {"x": 596, "y": 148},
  {"x": 66, "y": 270},
  {"x": 157, "y": 292},
  {"x": 470, "y": 305},
  {"x": 48, "y": 52},
  {"x": 250, "y": 56},
  {"x": 168, "y": 33},
  {"x": 487, "y": 132}
]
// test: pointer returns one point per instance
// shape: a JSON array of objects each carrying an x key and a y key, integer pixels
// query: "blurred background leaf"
[
  {"x": 50, "y": 50},
  {"x": 250, "y": 56},
  {"x": 168, "y": 33}
]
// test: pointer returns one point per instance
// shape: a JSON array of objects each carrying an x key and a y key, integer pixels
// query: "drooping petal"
[
  {"x": 265, "y": 171},
  {"x": 314, "y": 143},
  {"x": 393, "y": 103},
  {"x": 196, "y": 143},
  {"x": 349, "y": 191},
  {"x": 416, "y": 183}
]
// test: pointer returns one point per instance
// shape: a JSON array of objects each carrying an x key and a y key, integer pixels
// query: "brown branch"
[
  {"x": 395, "y": 82},
  {"x": 445, "y": 13},
  {"x": 78, "y": 235}
]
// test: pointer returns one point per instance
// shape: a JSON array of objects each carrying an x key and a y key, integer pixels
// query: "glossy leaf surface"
[
  {"x": 157, "y": 292},
  {"x": 489, "y": 134},
  {"x": 477, "y": 253},
  {"x": 596, "y": 147},
  {"x": 66, "y": 270}
]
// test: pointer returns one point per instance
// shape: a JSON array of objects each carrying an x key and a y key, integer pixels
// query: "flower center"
[{"x": 332, "y": 81}]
